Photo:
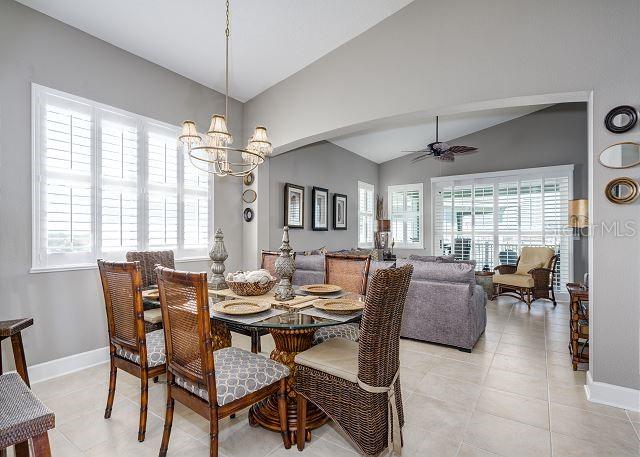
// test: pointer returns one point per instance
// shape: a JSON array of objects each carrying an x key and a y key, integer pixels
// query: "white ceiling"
[
  {"x": 386, "y": 144},
  {"x": 270, "y": 39}
]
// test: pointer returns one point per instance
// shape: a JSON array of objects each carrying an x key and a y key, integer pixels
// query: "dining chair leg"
[
  {"x": 168, "y": 422},
  {"x": 213, "y": 432},
  {"x": 282, "y": 412},
  {"x": 113, "y": 373},
  {"x": 21, "y": 449},
  {"x": 302, "y": 422},
  {"x": 41, "y": 447},
  {"x": 144, "y": 400},
  {"x": 255, "y": 342}
]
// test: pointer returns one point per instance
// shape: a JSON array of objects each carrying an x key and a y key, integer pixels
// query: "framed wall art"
[
  {"x": 293, "y": 206},
  {"x": 320, "y": 209},
  {"x": 339, "y": 212}
]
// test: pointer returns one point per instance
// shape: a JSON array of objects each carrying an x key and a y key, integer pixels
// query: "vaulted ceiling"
[{"x": 270, "y": 39}]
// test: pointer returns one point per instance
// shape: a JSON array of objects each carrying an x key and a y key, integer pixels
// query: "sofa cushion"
[
  {"x": 534, "y": 257},
  {"x": 514, "y": 280},
  {"x": 338, "y": 357},
  {"x": 309, "y": 269},
  {"x": 238, "y": 373},
  {"x": 440, "y": 271},
  {"x": 155, "y": 350}
]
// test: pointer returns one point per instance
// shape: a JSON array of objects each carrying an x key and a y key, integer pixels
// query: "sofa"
[{"x": 444, "y": 305}]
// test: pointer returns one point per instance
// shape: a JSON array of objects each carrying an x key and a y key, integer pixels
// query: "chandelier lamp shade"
[{"x": 213, "y": 151}]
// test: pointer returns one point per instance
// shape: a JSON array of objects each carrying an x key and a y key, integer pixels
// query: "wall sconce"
[{"x": 578, "y": 216}]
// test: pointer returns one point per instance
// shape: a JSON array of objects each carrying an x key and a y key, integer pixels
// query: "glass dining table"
[{"x": 292, "y": 329}]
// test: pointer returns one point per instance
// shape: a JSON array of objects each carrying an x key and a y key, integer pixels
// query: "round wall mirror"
[
  {"x": 621, "y": 155},
  {"x": 622, "y": 190},
  {"x": 248, "y": 214},
  {"x": 621, "y": 119},
  {"x": 249, "y": 196}
]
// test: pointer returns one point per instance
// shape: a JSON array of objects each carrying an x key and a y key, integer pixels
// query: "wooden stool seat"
[{"x": 22, "y": 415}]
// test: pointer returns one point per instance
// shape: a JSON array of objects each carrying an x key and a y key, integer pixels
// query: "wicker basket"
[{"x": 247, "y": 289}]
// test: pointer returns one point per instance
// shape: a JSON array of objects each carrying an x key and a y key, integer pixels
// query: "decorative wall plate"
[
  {"x": 248, "y": 214},
  {"x": 249, "y": 179},
  {"x": 249, "y": 196}
]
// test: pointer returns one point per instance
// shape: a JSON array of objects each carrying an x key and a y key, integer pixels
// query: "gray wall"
[
  {"x": 504, "y": 49},
  {"x": 553, "y": 136},
  {"x": 67, "y": 306},
  {"x": 321, "y": 165}
]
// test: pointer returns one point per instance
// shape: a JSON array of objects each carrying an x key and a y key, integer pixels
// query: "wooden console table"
[{"x": 579, "y": 324}]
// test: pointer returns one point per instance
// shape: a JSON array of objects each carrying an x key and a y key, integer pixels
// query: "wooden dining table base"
[{"x": 265, "y": 414}]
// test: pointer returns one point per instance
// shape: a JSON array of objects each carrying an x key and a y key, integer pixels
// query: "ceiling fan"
[{"x": 440, "y": 150}]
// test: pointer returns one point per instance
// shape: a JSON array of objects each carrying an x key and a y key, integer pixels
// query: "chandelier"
[{"x": 213, "y": 152}]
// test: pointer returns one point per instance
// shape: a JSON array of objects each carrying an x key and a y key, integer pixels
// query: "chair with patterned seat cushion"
[
  {"x": 349, "y": 272},
  {"x": 214, "y": 384},
  {"x": 130, "y": 348},
  {"x": 148, "y": 261}
]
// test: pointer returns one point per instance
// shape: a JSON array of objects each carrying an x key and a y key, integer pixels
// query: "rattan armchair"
[
  {"x": 525, "y": 283},
  {"x": 214, "y": 384},
  {"x": 130, "y": 348},
  {"x": 357, "y": 384},
  {"x": 349, "y": 272}
]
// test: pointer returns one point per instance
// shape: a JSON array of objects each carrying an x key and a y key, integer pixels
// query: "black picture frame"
[
  {"x": 294, "y": 192},
  {"x": 339, "y": 212},
  {"x": 319, "y": 209}
]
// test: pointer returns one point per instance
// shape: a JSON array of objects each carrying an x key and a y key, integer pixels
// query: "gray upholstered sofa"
[{"x": 444, "y": 305}]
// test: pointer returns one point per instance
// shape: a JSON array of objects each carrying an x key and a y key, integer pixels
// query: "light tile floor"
[{"x": 515, "y": 395}]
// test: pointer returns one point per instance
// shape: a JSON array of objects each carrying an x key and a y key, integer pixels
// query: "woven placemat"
[{"x": 333, "y": 316}]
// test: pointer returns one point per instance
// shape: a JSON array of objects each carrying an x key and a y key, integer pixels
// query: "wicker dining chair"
[
  {"x": 130, "y": 348},
  {"x": 268, "y": 261},
  {"x": 213, "y": 383},
  {"x": 148, "y": 261},
  {"x": 357, "y": 384},
  {"x": 349, "y": 272}
]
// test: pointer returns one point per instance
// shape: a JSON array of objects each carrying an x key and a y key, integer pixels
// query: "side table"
[
  {"x": 578, "y": 324},
  {"x": 485, "y": 279}
]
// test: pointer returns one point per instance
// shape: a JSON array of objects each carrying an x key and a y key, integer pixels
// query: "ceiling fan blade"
[
  {"x": 461, "y": 149},
  {"x": 419, "y": 158},
  {"x": 446, "y": 156}
]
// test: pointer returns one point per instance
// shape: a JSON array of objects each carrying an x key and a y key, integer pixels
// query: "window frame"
[
  {"x": 404, "y": 188},
  {"x": 40, "y": 259},
  {"x": 366, "y": 186},
  {"x": 507, "y": 177}
]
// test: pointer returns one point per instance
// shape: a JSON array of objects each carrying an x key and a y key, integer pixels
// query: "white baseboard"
[
  {"x": 65, "y": 365},
  {"x": 612, "y": 395}
]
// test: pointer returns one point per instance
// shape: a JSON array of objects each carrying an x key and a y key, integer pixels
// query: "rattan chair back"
[
  {"x": 379, "y": 344},
  {"x": 347, "y": 271},
  {"x": 268, "y": 261},
  {"x": 148, "y": 261},
  {"x": 187, "y": 327},
  {"x": 122, "y": 288}
]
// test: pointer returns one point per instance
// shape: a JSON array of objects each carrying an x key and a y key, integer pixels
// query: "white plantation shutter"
[
  {"x": 489, "y": 217},
  {"x": 162, "y": 222},
  {"x": 406, "y": 214},
  {"x": 106, "y": 181},
  {"x": 366, "y": 214}
]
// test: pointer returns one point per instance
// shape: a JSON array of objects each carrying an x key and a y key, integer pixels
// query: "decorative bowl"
[{"x": 250, "y": 289}]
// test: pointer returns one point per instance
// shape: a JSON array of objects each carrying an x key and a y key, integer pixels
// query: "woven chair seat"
[
  {"x": 22, "y": 415},
  {"x": 349, "y": 332},
  {"x": 155, "y": 350},
  {"x": 238, "y": 373}
]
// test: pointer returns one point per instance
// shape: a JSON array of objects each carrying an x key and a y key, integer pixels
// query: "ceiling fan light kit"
[{"x": 213, "y": 152}]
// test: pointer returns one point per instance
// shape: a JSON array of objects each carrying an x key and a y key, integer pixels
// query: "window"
[
  {"x": 489, "y": 217},
  {"x": 106, "y": 181},
  {"x": 406, "y": 214},
  {"x": 366, "y": 210}
]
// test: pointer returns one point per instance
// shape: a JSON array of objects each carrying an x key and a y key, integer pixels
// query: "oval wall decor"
[
  {"x": 249, "y": 196},
  {"x": 622, "y": 190},
  {"x": 621, "y": 155},
  {"x": 248, "y": 214},
  {"x": 621, "y": 119}
]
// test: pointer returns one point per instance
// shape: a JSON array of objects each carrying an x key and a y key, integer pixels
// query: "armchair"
[{"x": 531, "y": 278}]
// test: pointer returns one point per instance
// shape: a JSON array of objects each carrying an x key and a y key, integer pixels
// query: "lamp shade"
[
  {"x": 189, "y": 133},
  {"x": 218, "y": 131},
  {"x": 259, "y": 142},
  {"x": 579, "y": 213}
]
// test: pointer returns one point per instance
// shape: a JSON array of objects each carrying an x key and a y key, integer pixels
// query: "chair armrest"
[
  {"x": 541, "y": 277},
  {"x": 505, "y": 269}
]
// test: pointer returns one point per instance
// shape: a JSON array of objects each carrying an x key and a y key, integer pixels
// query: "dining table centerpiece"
[{"x": 285, "y": 267}]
